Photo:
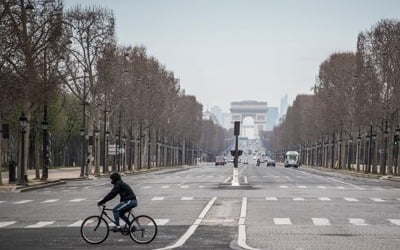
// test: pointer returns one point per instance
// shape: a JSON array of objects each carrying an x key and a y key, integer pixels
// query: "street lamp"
[
  {"x": 123, "y": 152},
  {"x": 82, "y": 133},
  {"x": 96, "y": 136},
  {"x": 46, "y": 149},
  {"x": 105, "y": 163},
  {"x": 23, "y": 123}
]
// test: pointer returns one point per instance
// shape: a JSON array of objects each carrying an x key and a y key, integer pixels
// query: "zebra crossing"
[
  {"x": 277, "y": 221},
  {"x": 187, "y": 198}
]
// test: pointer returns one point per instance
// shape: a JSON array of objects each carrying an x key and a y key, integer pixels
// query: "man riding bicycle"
[{"x": 127, "y": 199}]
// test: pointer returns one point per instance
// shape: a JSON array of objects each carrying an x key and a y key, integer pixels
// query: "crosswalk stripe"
[
  {"x": 157, "y": 198},
  {"x": 322, "y": 187},
  {"x": 351, "y": 199},
  {"x": 184, "y": 186},
  {"x": 76, "y": 224},
  {"x": 161, "y": 222},
  {"x": 324, "y": 199},
  {"x": 201, "y": 186},
  {"x": 50, "y": 201},
  {"x": 187, "y": 198},
  {"x": 357, "y": 222},
  {"x": 377, "y": 199},
  {"x": 301, "y": 186},
  {"x": 340, "y": 187},
  {"x": 321, "y": 221},
  {"x": 298, "y": 199},
  {"x": 2, "y": 202},
  {"x": 165, "y": 187},
  {"x": 282, "y": 221},
  {"x": 395, "y": 221},
  {"x": 283, "y": 186},
  {"x": 271, "y": 198},
  {"x": 147, "y": 187},
  {"x": 78, "y": 200},
  {"x": 40, "y": 224},
  {"x": 6, "y": 223},
  {"x": 22, "y": 202}
]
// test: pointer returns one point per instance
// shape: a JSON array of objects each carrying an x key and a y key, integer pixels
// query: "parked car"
[{"x": 219, "y": 160}]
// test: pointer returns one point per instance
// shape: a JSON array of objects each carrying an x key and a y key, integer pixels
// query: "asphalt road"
[{"x": 286, "y": 209}]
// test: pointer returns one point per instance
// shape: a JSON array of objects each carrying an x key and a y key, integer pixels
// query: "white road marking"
[
  {"x": 298, "y": 199},
  {"x": 165, "y": 187},
  {"x": 201, "y": 186},
  {"x": 340, "y": 187},
  {"x": 22, "y": 202},
  {"x": 282, "y": 221},
  {"x": 271, "y": 198},
  {"x": 77, "y": 200},
  {"x": 347, "y": 183},
  {"x": 147, "y": 187},
  {"x": 242, "y": 227},
  {"x": 161, "y": 222},
  {"x": 324, "y": 199},
  {"x": 379, "y": 188},
  {"x": 357, "y": 222},
  {"x": 6, "y": 223},
  {"x": 351, "y": 199},
  {"x": 40, "y": 224},
  {"x": 301, "y": 186},
  {"x": 321, "y": 221},
  {"x": 157, "y": 198},
  {"x": 283, "y": 186},
  {"x": 321, "y": 187},
  {"x": 2, "y": 202},
  {"x": 227, "y": 179},
  {"x": 50, "y": 201},
  {"x": 192, "y": 228},
  {"x": 395, "y": 221},
  {"x": 184, "y": 186},
  {"x": 245, "y": 179},
  {"x": 76, "y": 224},
  {"x": 377, "y": 199},
  {"x": 187, "y": 198}
]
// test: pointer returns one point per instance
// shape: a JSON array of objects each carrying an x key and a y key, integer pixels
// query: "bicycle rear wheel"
[
  {"x": 94, "y": 229},
  {"x": 143, "y": 229}
]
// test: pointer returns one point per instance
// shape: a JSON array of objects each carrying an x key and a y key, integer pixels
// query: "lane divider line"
[
  {"x": 192, "y": 228},
  {"x": 242, "y": 227}
]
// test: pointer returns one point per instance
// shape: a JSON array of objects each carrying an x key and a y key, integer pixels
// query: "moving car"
[
  {"x": 292, "y": 159},
  {"x": 219, "y": 160},
  {"x": 271, "y": 163}
]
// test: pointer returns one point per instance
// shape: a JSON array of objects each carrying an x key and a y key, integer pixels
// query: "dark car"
[
  {"x": 219, "y": 160},
  {"x": 271, "y": 163}
]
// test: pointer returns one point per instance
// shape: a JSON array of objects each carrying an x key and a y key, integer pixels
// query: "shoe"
[{"x": 115, "y": 229}]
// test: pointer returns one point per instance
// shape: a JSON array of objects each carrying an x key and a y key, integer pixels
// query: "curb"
[{"x": 39, "y": 186}]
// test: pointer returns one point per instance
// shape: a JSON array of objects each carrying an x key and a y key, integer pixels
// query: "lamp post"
[
  {"x": 46, "y": 149},
  {"x": 82, "y": 133},
  {"x": 105, "y": 163},
  {"x": 96, "y": 151},
  {"x": 123, "y": 154},
  {"x": 358, "y": 150},
  {"x": 385, "y": 145},
  {"x": 23, "y": 122}
]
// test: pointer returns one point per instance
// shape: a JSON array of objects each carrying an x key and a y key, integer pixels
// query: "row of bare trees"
[
  {"x": 352, "y": 120},
  {"x": 81, "y": 92}
]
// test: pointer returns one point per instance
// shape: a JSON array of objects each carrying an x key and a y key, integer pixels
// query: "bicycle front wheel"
[
  {"x": 94, "y": 229},
  {"x": 143, "y": 229}
]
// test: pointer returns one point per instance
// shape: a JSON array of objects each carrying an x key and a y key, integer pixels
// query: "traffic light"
[{"x": 396, "y": 139}]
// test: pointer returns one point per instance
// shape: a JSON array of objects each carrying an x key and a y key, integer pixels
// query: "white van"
[{"x": 292, "y": 159}]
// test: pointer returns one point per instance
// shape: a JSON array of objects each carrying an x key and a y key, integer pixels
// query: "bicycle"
[{"x": 95, "y": 229}]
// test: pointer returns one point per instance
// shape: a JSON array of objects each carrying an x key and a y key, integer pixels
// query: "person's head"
[{"x": 115, "y": 177}]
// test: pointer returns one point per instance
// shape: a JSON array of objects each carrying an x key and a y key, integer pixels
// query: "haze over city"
[{"x": 225, "y": 51}]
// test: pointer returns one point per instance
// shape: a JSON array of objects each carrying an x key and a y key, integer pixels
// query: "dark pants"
[{"x": 123, "y": 207}]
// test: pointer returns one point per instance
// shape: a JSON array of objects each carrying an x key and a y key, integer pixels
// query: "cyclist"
[{"x": 127, "y": 200}]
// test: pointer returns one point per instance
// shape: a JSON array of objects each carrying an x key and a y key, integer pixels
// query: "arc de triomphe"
[{"x": 256, "y": 110}]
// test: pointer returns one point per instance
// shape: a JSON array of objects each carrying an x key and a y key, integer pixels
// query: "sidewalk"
[
  {"x": 355, "y": 173},
  {"x": 61, "y": 175}
]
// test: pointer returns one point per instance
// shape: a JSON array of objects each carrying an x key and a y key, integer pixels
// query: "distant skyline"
[{"x": 234, "y": 50}]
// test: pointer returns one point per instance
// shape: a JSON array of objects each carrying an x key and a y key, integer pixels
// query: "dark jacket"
[{"x": 124, "y": 190}]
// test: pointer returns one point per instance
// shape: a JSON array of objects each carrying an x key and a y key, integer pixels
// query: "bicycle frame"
[{"x": 103, "y": 212}]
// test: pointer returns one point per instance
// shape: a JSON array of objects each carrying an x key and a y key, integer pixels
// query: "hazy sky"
[{"x": 233, "y": 50}]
